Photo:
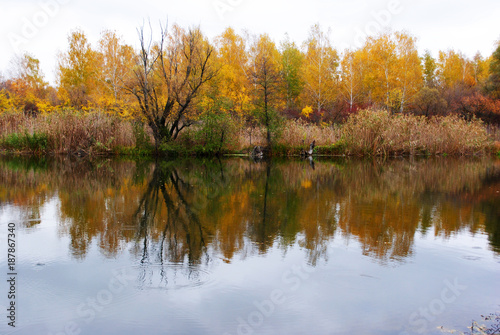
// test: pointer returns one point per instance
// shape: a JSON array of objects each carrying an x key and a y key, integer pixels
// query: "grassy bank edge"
[{"x": 334, "y": 150}]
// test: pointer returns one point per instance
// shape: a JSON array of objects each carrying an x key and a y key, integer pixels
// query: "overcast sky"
[{"x": 41, "y": 27}]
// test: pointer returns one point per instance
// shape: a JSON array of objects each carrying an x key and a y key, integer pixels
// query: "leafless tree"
[{"x": 168, "y": 75}]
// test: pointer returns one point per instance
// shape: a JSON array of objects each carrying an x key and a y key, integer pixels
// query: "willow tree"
[{"x": 168, "y": 75}]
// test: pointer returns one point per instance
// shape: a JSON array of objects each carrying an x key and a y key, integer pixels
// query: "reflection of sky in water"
[
  {"x": 43, "y": 243},
  {"x": 346, "y": 291}
]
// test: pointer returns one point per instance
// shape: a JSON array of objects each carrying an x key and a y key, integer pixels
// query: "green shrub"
[
  {"x": 215, "y": 133},
  {"x": 12, "y": 141},
  {"x": 141, "y": 137},
  {"x": 38, "y": 142},
  {"x": 337, "y": 148}
]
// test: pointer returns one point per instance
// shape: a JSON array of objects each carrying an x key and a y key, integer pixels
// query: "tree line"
[{"x": 183, "y": 78}]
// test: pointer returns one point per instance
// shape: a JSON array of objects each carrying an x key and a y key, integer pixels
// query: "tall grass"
[
  {"x": 299, "y": 132},
  {"x": 380, "y": 133},
  {"x": 367, "y": 133},
  {"x": 295, "y": 134},
  {"x": 67, "y": 131}
]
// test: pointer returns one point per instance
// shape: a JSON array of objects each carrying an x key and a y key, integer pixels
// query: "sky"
[{"x": 41, "y": 27}]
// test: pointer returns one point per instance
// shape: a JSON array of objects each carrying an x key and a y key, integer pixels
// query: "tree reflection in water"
[{"x": 193, "y": 211}]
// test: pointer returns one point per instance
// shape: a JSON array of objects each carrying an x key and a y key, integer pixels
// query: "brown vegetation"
[{"x": 366, "y": 133}]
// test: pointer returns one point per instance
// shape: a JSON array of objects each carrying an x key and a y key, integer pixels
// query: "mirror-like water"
[{"x": 237, "y": 247}]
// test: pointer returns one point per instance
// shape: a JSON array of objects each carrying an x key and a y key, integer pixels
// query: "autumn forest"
[
  {"x": 181, "y": 92},
  {"x": 186, "y": 182}
]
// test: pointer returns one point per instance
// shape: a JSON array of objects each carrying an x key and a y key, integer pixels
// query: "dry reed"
[
  {"x": 70, "y": 131},
  {"x": 380, "y": 133},
  {"x": 374, "y": 133}
]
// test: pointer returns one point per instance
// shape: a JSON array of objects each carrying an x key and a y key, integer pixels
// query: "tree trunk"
[{"x": 267, "y": 118}]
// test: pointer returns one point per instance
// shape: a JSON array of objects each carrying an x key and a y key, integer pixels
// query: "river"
[{"x": 234, "y": 246}]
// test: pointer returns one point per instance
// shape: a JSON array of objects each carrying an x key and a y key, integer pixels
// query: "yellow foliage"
[
  {"x": 320, "y": 70},
  {"x": 5, "y": 102},
  {"x": 232, "y": 80},
  {"x": 306, "y": 183},
  {"x": 454, "y": 67},
  {"x": 306, "y": 111},
  {"x": 44, "y": 107},
  {"x": 392, "y": 64}
]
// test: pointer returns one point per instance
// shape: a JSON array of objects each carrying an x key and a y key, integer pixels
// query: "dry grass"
[
  {"x": 372, "y": 133},
  {"x": 70, "y": 131},
  {"x": 494, "y": 132},
  {"x": 299, "y": 132},
  {"x": 380, "y": 133},
  {"x": 294, "y": 134},
  {"x": 249, "y": 137}
]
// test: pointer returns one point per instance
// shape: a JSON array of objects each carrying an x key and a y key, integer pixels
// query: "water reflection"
[{"x": 191, "y": 211}]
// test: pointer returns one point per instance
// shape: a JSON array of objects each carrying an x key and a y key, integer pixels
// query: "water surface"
[{"x": 234, "y": 246}]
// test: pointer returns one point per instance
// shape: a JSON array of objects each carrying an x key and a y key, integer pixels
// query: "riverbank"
[{"x": 367, "y": 133}]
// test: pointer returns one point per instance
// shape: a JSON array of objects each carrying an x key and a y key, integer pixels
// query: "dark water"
[{"x": 237, "y": 247}]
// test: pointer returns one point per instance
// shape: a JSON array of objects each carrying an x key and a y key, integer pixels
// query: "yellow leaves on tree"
[
  {"x": 306, "y": 111},
  {"x": 393, "y": 69},
  {"x": 5, "y": 102},
  {"x": 351, "y": 72},
  {"x": 78, "y": 71},
  {"x": 243, "y": 77},
  {"x": 27, "y": 87},
  {"x": 454, "y": 68},
  {"x": 116, "y": 61},
  {"x": 320, "y": 70},
  {"x": 232, "y": 61},
  {"x": 90, "y": 77}
]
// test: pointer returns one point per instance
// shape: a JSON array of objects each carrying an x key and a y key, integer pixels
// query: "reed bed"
[
  {"x": 380, "y": 133},
  {"x": 65, "y": 131},
  {"x": 367, "y": 133}
]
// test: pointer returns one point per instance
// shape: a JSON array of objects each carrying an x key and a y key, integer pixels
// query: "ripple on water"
[
  {"x": 471, "y": 258},
  {"x": 172, "y": 276}
]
